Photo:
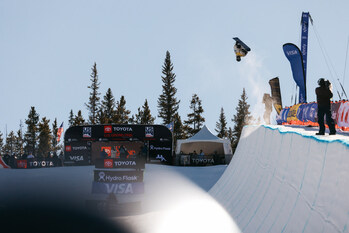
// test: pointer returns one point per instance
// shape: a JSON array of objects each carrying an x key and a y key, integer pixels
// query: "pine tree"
[
  {"x": 78, "y": 119},
  {"x": 242, "y": 118},
  {"x": 178, "y": 129},
  {"x": 136, "y": 118},
  {"x": 45, "y": 138},
  {"x": 122, "y": 114},
  {"x": 32, "y": 131},
  {"x": 107, "y": 109},
  {"x": 54, "y": 136},
  {"x": 1, "y": 144},
  {"x": 221, "y": 125},
  {"x": 71, "y": 118},
  {"x": 167, "y": 102},
  {"x": 230, "y": 136},
  {"x": 93, "y": 103},
  {"x": 146, "y": 118},
  {"x": 19, "y": 149},
  {"x": 10, "y": 146},
  {"x": 101, "y": 117},
  {"x": 195, "y": 119}
]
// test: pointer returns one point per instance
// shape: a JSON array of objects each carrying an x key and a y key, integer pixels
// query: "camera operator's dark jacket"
[{"x": 323, "y": 96}]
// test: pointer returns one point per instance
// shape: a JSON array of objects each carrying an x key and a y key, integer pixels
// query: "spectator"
[{"x": 323, "y": 96}]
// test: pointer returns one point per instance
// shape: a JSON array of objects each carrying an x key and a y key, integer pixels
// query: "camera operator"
[{"x": 323, "y": 96}]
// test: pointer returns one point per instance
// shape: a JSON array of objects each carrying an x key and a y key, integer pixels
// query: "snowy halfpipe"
[{"x": 287, "y": 180}]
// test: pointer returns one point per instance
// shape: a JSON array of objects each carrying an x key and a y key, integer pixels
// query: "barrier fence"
[{"x": 306, "y": 114}]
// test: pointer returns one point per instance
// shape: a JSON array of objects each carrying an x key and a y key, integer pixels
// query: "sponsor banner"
[
  {"x": 22, "y": 163},
  {"x": 105, "y": 176},
  {"x": 117, "y": 132},
  {"x": 334, "y": 111},
  {"x": 161, "y": 151},
  {"x": 40, "y": 163},
  {"x": 120, "y": 163},
  {"x": 35, "y": 163},
  {"x": 77, "y": 153},
  {"x": 88, "y": 140},
  {"x": 76, "y": 148},
  {"x": 206, "y": 160},
  {"x": 307, "y": 114},
  {"x": 284, "y": 115},
  {"x": 108, "y": 129},
  {"x": 311, "y": 112},
  {"x": 149, "y": 131},
  {"x": 343, "y": 115},
  {"x": 76, "y": 158},
  {"x": 157, "y": 148},
  {"x": 278, "y": 118},
  {"x": 87, "y": 132},
  {"x": 300, "y": 112},
  {"x": 118, "y": 188},
  {"x": 293, "y": 54},
  {"x": 292, "y": 114},
  {"x": 304, "y": 41},
  {"x": 281, "y": 118}
]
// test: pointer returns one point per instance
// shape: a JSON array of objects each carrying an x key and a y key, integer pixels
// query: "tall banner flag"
[
  {"x": 59, "y": 132},
  {"x": 295, "y": 58},
  {"x": 276, "y": 94},
  {"x": 304, "y": 40}
]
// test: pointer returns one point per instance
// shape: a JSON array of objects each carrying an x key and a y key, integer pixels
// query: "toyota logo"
[{"x": 108, "y": 163}]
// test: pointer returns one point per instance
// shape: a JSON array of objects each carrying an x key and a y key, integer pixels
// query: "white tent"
[{"x": 207, "y": 142}]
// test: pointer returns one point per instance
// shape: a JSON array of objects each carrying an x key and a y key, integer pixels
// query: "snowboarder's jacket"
[{"x": 323, "y": 96}]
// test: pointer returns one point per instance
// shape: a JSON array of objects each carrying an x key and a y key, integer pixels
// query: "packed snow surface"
[{"x": 286, "y": 179}]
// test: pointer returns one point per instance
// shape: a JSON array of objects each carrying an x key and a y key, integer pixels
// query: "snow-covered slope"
[{"x": 284, "y": 179}]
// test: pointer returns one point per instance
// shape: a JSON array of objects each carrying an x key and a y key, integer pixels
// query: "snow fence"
[{"x": 286, "y": 182}]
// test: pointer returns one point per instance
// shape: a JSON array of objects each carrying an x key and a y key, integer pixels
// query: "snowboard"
[{"x": 242, "y": 44}]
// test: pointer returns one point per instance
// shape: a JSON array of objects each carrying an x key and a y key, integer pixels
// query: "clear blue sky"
[{"x": 47, "y": 49}]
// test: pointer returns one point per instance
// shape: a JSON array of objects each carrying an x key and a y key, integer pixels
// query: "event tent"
[{"x": 207, "y": 142}]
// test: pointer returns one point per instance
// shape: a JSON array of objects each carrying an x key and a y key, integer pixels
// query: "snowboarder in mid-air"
[{"x": 240, "y": 49}]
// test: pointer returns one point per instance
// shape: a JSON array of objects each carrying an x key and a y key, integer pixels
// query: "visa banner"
[
  {"x": 118, "y": 188},
  {"x": 294, "y": 56}
]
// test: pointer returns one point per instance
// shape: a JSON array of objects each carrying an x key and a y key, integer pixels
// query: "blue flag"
[
  {"x": 304, "y": 40},
  {"x": 295, "y": 57}
]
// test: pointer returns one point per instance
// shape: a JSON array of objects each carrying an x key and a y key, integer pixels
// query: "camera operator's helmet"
[{"x": 321, "y": 82}]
